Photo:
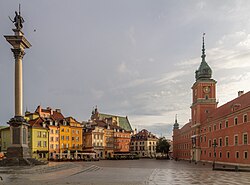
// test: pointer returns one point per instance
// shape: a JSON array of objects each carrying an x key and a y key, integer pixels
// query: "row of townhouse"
[
  {"x": 106, "y": 139},
  {"x": 52, "y": 136},
  {"x": 107, "y": 135}
]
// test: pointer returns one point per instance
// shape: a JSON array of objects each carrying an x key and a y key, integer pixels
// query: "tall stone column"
[
  {"x": 18, "y": 152},
  {"x": 18, "y": 54}
]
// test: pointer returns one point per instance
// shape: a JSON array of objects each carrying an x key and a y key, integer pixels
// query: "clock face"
[{"x": 206, "y": 89}]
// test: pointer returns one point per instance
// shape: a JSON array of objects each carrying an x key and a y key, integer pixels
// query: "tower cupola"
[{"x": 204, "y": 71}]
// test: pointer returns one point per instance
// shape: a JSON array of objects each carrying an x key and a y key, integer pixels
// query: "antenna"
[{"x": 19, "y": 9}]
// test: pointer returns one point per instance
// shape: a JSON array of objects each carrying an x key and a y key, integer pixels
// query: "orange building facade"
[{"x": 214, "y": 133}]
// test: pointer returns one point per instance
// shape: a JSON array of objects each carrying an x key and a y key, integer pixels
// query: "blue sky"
[{"x": 131, "y": 58}]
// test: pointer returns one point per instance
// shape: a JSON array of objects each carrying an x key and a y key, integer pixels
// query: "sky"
[{"x": 130, "y": 58}]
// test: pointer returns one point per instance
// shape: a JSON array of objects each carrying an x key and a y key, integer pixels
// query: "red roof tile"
[{"x": 237, "y": 104}]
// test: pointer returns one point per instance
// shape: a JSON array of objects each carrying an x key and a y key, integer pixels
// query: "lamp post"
[{"x": 214, "y": 145}]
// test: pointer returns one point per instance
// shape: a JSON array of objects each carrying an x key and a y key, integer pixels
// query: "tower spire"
[
  {"x": 176, "y": 124},
  {"x": 204, "y": 71},
  {"x": 203, "y": 48}
]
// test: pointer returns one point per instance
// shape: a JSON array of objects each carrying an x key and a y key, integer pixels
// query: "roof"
[
  {"x": 4, "y": 127},
  {"x": 236, "y": 104},
  {"x": 37, "y": 123},
  {"x": 144, "y": 135},
  {"x": 185, "y": 127},
  {"x": 103, "y": 124},
  {"x": 57, "y": 115},
  {"x": 54, "y": 114},
  {"x": 123, "y": 121}
]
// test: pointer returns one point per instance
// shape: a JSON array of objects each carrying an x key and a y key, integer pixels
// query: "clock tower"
[{"x": 204, "y": 101}]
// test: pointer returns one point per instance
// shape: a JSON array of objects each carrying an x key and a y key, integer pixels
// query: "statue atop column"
[{"x": 18, "y": 20}]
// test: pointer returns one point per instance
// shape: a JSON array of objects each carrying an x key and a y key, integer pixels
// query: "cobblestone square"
[{"x": 123, "y": 172}]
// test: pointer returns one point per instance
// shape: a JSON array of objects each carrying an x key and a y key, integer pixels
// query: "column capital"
[{"x": 18, "y": 53}]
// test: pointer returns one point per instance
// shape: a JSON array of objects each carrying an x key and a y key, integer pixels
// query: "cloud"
[
  {"x": 97, "y": 94},
  {"x": 200, "y": 5},
  {"x": 125, "y": 70},
  {"x": 171, "y": 77},
  {"x": 131, "y": 34},
  {"x": 122, "y": 68}
]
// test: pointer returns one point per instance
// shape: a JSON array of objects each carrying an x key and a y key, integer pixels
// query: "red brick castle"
[{"x": 214, "y": 133}]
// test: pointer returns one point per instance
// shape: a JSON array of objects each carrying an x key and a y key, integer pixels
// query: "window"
[
  {"x": 205, "y": 138},
  {"x": 67, "y": 138},
  {"x": 228, "y": 155},
  {"x": 245, "y": 155},
  {"x": 220, "y": 142},
  {"x": 220, "y": 154},
  {"x": 210, "y": 129},
  {"x": 39, "y": 143},
  {"x": 45, "y": 143},
  {"x": 237, "y": 155},
  {"x": 226, "y": 141},
  {"x": 44, "y": 134},
  {"x": 236, "y": 121},
  {"x": 201, "y": 139},
  {"x": 62, "y": 137},
  {"x": 226, "y": 124},
  {"x": 51, "y": 138},
  {"x": 39, "y": 134},
  {"x": 220, "y": 125},
  {"x": 62, "y": 129},
  {"x": 215, "y": 142},
  {"x": 236, "y": 140},
  {"x": 52, "y": 146},
  {"x": 214, "y": 127},
  {"x": 209, "y": 143},
  {"x": 245, "y": 118},
  {"x": 245, "y": 139},
  {"x": 52, "y": 131}
]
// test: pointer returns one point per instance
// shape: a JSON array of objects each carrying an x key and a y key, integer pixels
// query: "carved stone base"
[{"x": 18, "y": 152}]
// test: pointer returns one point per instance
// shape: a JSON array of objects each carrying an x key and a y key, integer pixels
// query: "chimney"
[
  {"x": 58, "y": 110},
  {"x": 240, "y": 93}
]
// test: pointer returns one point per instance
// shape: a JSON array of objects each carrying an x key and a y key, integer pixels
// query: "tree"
[{"x": 162, "y": 146}]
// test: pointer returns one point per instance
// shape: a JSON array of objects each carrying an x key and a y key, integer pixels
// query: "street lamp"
[{"x": 214, "y": 145}]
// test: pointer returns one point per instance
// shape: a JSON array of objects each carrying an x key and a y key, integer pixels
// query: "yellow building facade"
[
  {"x": 39, "y": 139},
  {"x": 5, "y": 138}
]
